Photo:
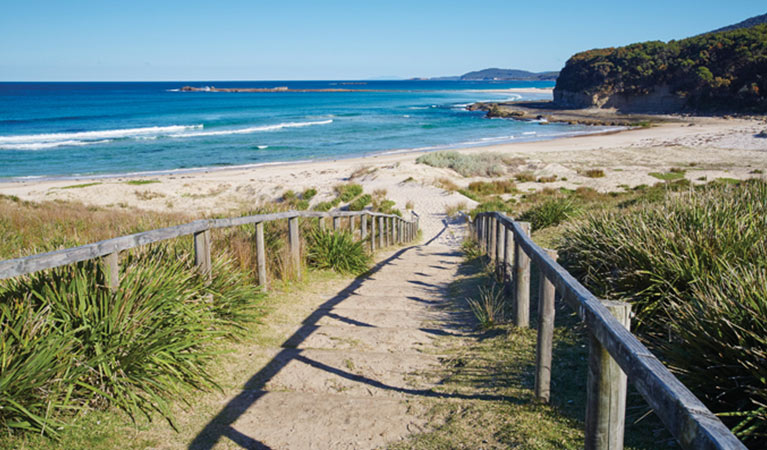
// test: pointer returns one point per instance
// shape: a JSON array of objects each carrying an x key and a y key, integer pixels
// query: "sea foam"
[
  {"x": 52, "y": 140},
  {"x": 250, "y": 130}
]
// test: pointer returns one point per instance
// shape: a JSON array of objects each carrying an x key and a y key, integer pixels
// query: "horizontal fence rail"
[
  {"x": 615, "y": 353},
  {"x": 200, "y": 229}
]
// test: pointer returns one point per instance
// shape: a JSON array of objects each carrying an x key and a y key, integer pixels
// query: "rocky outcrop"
[{"x": 660, "y": 100}]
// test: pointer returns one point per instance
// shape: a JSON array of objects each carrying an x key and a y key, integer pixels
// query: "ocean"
[{"x": 53, "y": 130}]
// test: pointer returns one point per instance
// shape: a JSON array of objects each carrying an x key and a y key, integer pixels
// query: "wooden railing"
[
  {"x": 614, "y": 351},
  {"x": 392, "y": 229}
]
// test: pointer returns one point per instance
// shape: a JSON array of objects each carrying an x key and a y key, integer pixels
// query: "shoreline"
[
  {"x": 701, "y": 149},
  {"x": 395, "y": 151}
]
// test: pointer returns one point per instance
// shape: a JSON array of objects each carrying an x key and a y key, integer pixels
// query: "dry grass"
[
  {"x": 547, "y": 179},
  {"x": 594, "y": 173},
  {"x": 525, "y": 177},
  {"x": 446, "y": 184}
]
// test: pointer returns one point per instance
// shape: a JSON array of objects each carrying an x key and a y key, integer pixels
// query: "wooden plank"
[
  {"x": 606, "y": 391},
  {"x": 508, "y": 255},
  {"x": 295, "y": 246},
  {"x": 684, "y": 415},
  {"x": 336, "y": 223},
  {"x": 363, "y": 227},
  {"x": 112, "y": 263},
  {"x": 351, "y": 225},
  {"x": 521, "y": 282},
  {"x": 202, "y": 253},
  {"x": 22, "y": 266},
  {"x": 499, "y": 248},
  {"x": 261, "y": 257},
  {"x": 381, "y": 232},
  {"x": 544, "y": 343}
]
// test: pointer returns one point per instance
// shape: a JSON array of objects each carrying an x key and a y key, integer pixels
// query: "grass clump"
[
  {"x": 336, "y": 250},
  {"x": 348, "y": 192},
  {"x": 550, "y": 212},
  {"x": 469, "y": 165},
  {"x": 525, "y": 177},
  {"x": 452, "y": 211},
  {"x": 594, "y": 173},
  {"x": 360, "y": 202},
  {"x": 141, "y": 182},
  {"x": 489, "y": 306},
  {"x": 693, "y": 265},
  {"x": 136, "y": 348},
  {"x": 446, "y": 184},
  {"x": 673, "y": 174},
  {"x": 78, "y": 186},
  {"x": 547, "y": 179},
  {"x": 493, "y": 187},
  {"x": 309, "y": 194}
]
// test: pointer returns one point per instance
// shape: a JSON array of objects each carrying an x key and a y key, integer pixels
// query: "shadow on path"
[{"x": 220, "y": 425}]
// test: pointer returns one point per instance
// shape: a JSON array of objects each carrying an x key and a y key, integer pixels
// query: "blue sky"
[{"x": 328, "y": 39}]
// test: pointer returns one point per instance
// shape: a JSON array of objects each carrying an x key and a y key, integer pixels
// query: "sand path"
[{"x": 352, "y": 374}]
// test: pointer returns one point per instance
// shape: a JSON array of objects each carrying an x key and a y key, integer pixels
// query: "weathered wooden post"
[
  {"x": 380, "y": 232},
  {"x": 112, "y": 262},
  {"x": 400, "y": 231},
  {"x": 261, "y": 256},
  {"x": 336, "y": 223},
  {"x": 363, "y": 227},
  {"x": 491, "y": 237},
  {"x": 202, "y": 253},
  {"x": 508, "y": 256},
  {"x": 321, "y": 221},
  {"x": 372, "y": 234},
  {"x": 522, "y": 282},
  {"x": 545, "y": 341},
  {"x": 392, "y": 234},
  {"x": 481, "y": 232},
  {"x": 499, "y": 247},
  {"x": 295, "y": 246},
  {"x": 606, "y": 390},
  {"x": 351, "y": 225}
]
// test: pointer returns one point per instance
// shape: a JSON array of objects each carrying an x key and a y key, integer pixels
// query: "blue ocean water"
[{"x": 78, "y": 129}]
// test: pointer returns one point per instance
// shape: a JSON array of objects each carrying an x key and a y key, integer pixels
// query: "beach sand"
[{"x": 707, "y": 148}]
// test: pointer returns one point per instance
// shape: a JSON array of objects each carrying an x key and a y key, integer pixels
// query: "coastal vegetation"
[
  {"x": 470, "y": 164},
  {"x": 70, "y": 345},
  {"x": 715, "y": 71},
  {"x": 693, "y": 266}
]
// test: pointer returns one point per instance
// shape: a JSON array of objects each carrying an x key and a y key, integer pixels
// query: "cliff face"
[
  {"x": 715, "y": 71},
  {"x": 660, "y": 100}
]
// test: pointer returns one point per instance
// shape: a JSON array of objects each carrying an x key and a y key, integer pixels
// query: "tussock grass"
[
  {"x": 470, "y": 165},
  {"x": 551, "y": 212},
  {"x": 337, "y": 250},
  {"x": 594, "y": 173},
  {"x": 141, "y": 182},
  {"x": 525, "y": 177},
  {"x": 493, "y": 187},
  {"x": 693, "y": 265}
]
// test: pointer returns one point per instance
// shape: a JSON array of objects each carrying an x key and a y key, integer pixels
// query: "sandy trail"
[{"x": 351, "y": 373}]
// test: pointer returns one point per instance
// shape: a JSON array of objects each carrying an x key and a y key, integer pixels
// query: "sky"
[{"x": 105, "y": 40}]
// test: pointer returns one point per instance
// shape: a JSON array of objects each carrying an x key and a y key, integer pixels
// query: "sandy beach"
[{"x": 707, "y": 148}]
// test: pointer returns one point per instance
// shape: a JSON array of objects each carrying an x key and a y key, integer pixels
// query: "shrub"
[
  {"x": 494, "y": 204},
  {"x": 693, "y": 266},
  {"x": 309, "y": 194},
  {"x": 360, "y": 202},
  {"x": 386, "y": 206},
  {"x": 70, "y": 342},
  {"x": 347, "y": 192},
  {"x": 469, "y": 165},
  {"x": 525, "y": 177},
  {"x": 323, "y": 206},
  {"x": 547, "y": 179},
  {"x": 289, "y": 196},
  {"x": 549, "y": 213},
  {"x": 493, "y": 187},
  {"x": 594, "y": 173},
  {"x": 446, "y": 184},
  {"x": 338, "y": 251}
]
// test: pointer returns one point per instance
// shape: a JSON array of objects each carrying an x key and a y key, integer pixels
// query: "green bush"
[
  {"x": 693, "y": 266},
  {"x": 69, "y": 342},
  {"x": 336, "y": 250},
  {"x": 469, "y": 165},
  {"x": 309, "y": 194},
  {"x": 360, "y": 202},
  {"x": 493, "y": 187},
  {"x": 494, "y": 204},
  {"x": 323, "y": 206},
  {"x": 348, "y": 192},
  {"x": 550, "y": 213}
]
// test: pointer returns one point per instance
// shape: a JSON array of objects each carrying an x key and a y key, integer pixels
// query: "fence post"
[
  {"x": 606, "y": 390},
  {"x": 499, "y": 247},
  {"x": 363, "y": 227},
  {"x": 380, "y": 232},
  {"x": 321, "y": 221},
  {"x": 491, "y": 238},
  {"x": 508, "y": 254},
  {"x": 202, "y": 252},
  {"x": 372, "y": 234},
  {"x": 392, "y": 235},
  {"x": 261, "y": 256},
  {"x": 522, "y": 282},
  {"x": 351, "y": 225},
  {"x": 295, "y": 246},
  {"x": 336, "y": 223},
  {"x": 545, "y": 340},
  {"x": 112, "y": 261}
]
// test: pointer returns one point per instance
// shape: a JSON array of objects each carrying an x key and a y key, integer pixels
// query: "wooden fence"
[
  {"x": 614, "y": 352},
  {"x": 389, "y": 229}
]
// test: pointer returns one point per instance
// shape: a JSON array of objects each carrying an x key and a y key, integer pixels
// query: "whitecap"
[{"x": 250, "y": 130}]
